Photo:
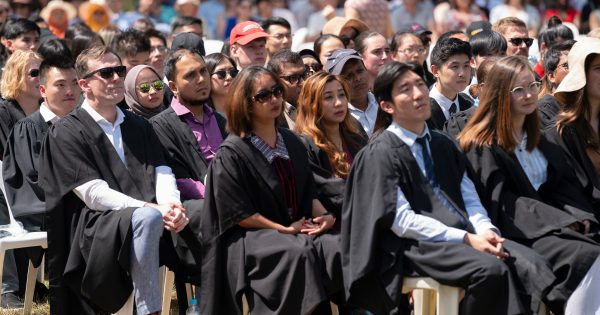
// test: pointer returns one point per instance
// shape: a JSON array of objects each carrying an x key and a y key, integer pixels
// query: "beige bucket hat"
[
  {"x": 69, "y": 9},
  {"x": 335, "y": 25},
  {"x": 575, "y": 79}
]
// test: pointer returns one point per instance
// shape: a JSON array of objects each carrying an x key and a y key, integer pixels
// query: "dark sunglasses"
[
  {"x": 263, "y": 96},
  {"x": 157, "y": 85},
  {"x": 34, "y": 73},
  {"x": 222, "y": 74},
  {"x": 108, "y": 72},
  {"x": 315, "y": 67},
  {"x": 295, "y": 78},
  {"x": 518, "y": 41}
]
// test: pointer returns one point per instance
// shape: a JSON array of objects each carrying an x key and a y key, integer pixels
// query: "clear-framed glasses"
[
  {"x": 412, "y": 51},
  {"x": 533, "y": 88}
]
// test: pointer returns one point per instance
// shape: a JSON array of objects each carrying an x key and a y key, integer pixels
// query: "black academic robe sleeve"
[
  {"x": 10, "y": 113},
  {"x": 518, "y": 216},
  {"x": 457, "y": 122},
  {"x": 371, "y": 252},
  {"x": 548, "y": 108},
  {"x": 20, "y": 167}
]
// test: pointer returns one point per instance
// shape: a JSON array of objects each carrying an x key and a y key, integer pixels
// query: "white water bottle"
[{"x": 193, "y": 309}]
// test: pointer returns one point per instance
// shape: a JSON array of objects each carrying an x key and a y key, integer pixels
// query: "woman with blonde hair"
[
  {"x": 20, "y": 89},
  {"x": 530, "y": 192},
  {"x": 330, "y": 134}
]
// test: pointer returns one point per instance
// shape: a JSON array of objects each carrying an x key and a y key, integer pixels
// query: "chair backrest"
[{"x": 14, "y": 227}]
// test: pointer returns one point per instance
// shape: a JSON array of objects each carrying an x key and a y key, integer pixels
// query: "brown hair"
[
  {"x": 482, "y": 71},
  {"x": 93, "y": 53},
  {"x": 240, "y": 103},
  {"x": 503, "y": 24},
  {"x": 576, "y": 112},
  {"x": 492, "y": 121},
  {"x": 309, "y": 121}
]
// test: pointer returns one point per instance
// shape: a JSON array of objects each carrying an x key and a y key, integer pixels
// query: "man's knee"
[
  {"x": 492, "y": 271},
  {"x": 147, "y": 218}
]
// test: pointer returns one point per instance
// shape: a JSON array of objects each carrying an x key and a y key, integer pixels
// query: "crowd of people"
[{"x": 458, "y": 141}]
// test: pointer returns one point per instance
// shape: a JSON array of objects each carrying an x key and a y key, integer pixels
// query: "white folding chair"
[
  {"x": 446, "y": 299},
  {"x": 20, "y": 238},
  {"x": 166, "y": 280}
]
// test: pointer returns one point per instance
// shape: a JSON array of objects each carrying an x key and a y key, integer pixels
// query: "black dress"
[
  {"x": 278, "y": 273},
  {"x": 88, "y": 250},
  {"x": 10, "y": 113},
  {"x": 375, "y": 259},
  {"x": 538, "y": 218}
]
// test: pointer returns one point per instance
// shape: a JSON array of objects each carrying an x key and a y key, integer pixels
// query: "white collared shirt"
[
  {"x": 366, "y": 118},
  {"x": 47, "y": 114},
  {"x": 409, "y": 224},
  {"x": 97, "y": 195},
  {"x": 443, "y": 101},
  {"x": 534, "y": 163}
]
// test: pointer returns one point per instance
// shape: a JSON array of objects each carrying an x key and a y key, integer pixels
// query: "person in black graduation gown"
[
  {"x": 19, "y": 87},
  {"x": 576, "y": 131},
  {"x": 531, "y": 193},
  {"x": 191, "y": 132},
  {"x": 330, "y": 134},
  {"x": 410, "y": 209},
  {"x": 450, "y": 64},
  {"x": 263, "y": 228},
  {"x": 109, "y": 195}
]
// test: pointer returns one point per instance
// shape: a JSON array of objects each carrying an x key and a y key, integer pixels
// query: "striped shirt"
[{"x": 267, "y": 151}]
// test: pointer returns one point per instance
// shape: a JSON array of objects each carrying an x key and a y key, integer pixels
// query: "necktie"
[
  {"x": 428, "y": 161},
  {"x": 453, "y": 108}
]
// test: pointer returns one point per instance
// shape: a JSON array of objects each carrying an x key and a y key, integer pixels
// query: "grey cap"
[
  {"x": 190, "y": 41},
  {"x": 337, "y": 60}
]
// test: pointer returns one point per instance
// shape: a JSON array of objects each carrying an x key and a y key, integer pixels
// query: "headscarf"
[
  {"x": 131, "y": 97},
  {"x": 86, "y": 14}
]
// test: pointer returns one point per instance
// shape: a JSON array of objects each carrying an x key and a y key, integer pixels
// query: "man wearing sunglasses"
[
  {"x": 289, "y": 67},
  {"x": 109, "y": 195},
  {"x": 515, "y": 33},
  {"x": 191, "y": 132}
]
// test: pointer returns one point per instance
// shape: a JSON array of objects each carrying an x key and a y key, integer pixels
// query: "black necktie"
[
  {"x": 428, "y": 161},
  {"x": 453, "y": 108}
]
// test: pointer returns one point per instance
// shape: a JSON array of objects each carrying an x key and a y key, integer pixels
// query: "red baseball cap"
[{"x": 245, "y": 32}]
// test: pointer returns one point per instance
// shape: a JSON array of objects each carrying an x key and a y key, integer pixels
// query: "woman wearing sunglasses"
[
  {"x": 530, "y": 192},
  {"x": 264, "y": 227},
  {"x": 20, "y": 89},
  {"x": 144, "y": 91},
  {"x": 222, "y": 71}
]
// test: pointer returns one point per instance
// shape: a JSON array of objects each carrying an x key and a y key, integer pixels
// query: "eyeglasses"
[
  {"x": 160, "y": 49},
  {"x": 294, "y": 79},
  {"x": 412, "y": 51},
  {"x": 157, "y": 85},
  {"x": 315, "y": 67},
  {"x": 108, "y": 72},
  {"x": 533, "y": 88},
  {"x": 34, "y": 73},
  {"x": 518, "y": 41},
  {"x": 222, "y": 74},
  {"x": 263, "y": 96},
  {"x": 564, "y": 66}
]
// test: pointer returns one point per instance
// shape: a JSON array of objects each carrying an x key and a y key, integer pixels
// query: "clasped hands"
[
  {"x": 173, "y": 214},
  {"x": 311, "y": 226},
  {"x": 487, "y": 242}
]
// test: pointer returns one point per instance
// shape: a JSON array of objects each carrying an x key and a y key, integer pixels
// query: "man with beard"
[
  {"x": 109, "y": 196},
  {"x": 363, "y": 105},
  {"x": 191, "y": 132}
]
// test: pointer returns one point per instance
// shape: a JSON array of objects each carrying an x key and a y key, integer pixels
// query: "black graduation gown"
[
  {"x": 375, "y": 259},
  {"x": 10, "y": 113},
  {"x": 437, "y": 120},
  {"x": 279, "y": 273},
  {"x": 330, "y": 189},
  {"x": 524, "y": 215},
  {"x": 186, "y": 160},
  {"x": 548, "y": 107},
  {"x": 20, "y": 170},
  {"x": 457, "y": 122},
  {"x": 89, "y": 251}
]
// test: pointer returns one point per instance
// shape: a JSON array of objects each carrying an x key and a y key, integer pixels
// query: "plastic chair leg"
[
  {"x": 447, "y": 300},
  {"x": 167, "y": 288},
  {"x": 29, "y": 288}
]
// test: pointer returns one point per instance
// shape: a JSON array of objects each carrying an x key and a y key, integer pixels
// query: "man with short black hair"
[
  {"x": 185, "y": 24},
  {"x": 451, "y": 66},
  {"x": 109, "y": 196},
  {"x": 289, "y": 67},
  {"x": 247, "y": 45},
  {"x": 280, "y": 33},
  {"x": 363, "y": 106},
  {"x": 485, "y": 44},
  {"x": 20, "y": 34},
  {"x": 132, "y": 47}
]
